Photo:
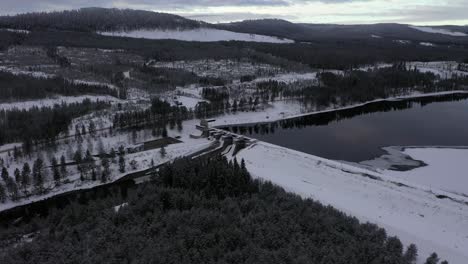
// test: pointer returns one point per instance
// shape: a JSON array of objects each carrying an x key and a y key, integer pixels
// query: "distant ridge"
[{"x": 97, "y": 19}]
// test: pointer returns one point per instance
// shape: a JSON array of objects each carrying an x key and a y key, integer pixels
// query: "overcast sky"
[{"x": 424, "y": 12}]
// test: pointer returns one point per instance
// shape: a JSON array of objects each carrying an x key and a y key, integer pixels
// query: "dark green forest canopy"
[
  {"x": 96, "y": 19},
  {"x": 46, "y": 123},
  {"x": 14, "y": 87},
  {"x": 202, "y": 211},
  {"x": 339, "y": 54}
]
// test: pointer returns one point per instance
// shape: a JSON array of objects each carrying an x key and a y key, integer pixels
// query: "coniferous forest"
[{"x": 202, "y": 211}]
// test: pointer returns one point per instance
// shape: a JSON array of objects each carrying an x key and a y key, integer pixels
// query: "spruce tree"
[
  {"x": 411, "y": 254},
  {"x": 17, "y": 176},
  {"x": 55, "y": 170},
  {"x": 432, "y": 259},
  {"x": 105, "y": 169},
  {"x": 25, "y": 176},
  {"x": 63, "y": 166},
  {"x": 37, "y": 175},
  {"x": 5, "y": 174},
  {"x": 2, "y": 194},
  {"x": 122, "y": 163}
]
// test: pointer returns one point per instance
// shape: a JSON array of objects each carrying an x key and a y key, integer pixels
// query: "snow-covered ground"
[
  {"x": 427, "y": 44},
  {"x": 289, "y": 77},
  {"x": 201, "y": 35},
  {"x": 143, "y": 159},
  {"x": 49, "y": 102},
  {"x": 440, "y": 31},
  {"x": 447, "y": 168},
  {"x": 444, "y": 69},
  {"x": 402, "y": 41},
  {"x": 414, "y": 215}
]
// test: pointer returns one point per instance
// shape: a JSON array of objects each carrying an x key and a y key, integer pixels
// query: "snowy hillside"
[
  {"x": 201, "y": 35},
  {"x": 440, "y": 31}
]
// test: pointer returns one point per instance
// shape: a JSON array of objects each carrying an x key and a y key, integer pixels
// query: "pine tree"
[
  {"x": 2, "y": 194},
  {"x": 5, "y": 174},
  {"x": 17, "y": 176},
  {"x": 122, "y": 163},
  {"x": 432, "y": 259},
  {"x": 77, "y": 157},
  {"x": 164, "y": 132},
  {"x": 112, "y": 155},
  {"x": 37, "y": 175},
  {"x": 55, "y": 171},
  {"x": 63, "y": 166},
  {"x": 92, "y": 128},
  {"x": 101, "y": 150},
  {"x": 25, "y": 176},
  {"x": 411, "y": 254},
  {"x": 105, "y": 169},
  {"x": 93, "y": 174}
]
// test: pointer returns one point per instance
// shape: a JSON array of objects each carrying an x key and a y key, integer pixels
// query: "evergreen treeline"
[
  {"x": 8, "y": 39},
  {"x": 96, "y": 19},
  {"x": 13, "y": 87},
  {"x": 359, "y": 86},
  {"x": 202, "y": 211},
  {"x": 46, "y": 123},
  {"x": 171, "y": 78},
  {"x": 159, "y": 113},
  {"x": 346, "y": 54}
]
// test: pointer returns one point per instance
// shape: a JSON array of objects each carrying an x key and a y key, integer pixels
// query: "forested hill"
[
  {"x": 96, "y": 19},
  {"x": 313, "y": 32}
]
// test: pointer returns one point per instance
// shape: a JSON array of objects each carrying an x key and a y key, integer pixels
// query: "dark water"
[{"x": 358, "y": 134}]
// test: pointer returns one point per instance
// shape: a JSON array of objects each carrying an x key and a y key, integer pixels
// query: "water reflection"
[{"x": 358, "y": 134}]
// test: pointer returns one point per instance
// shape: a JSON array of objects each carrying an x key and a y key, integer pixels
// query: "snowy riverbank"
[{"x": 414, "y": 215}]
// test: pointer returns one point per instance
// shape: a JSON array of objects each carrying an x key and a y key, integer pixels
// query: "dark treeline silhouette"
[
  {"x": 8, "y": 38},
  {"x": 201, "y": 211},
  {"x": 325, "y": 118},
  {"x": 346, "y": 54},
  {"x": 160, "y": 113},
  {"x": 37, "y": 124},
  {"x": 360, "y": 86},
  {"x": 96, "y": 19},
  {"x": 171, "y": 78},
  {"x": 13, "y": 87}
]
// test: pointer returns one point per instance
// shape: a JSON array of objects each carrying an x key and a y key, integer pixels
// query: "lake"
[{"x": 358, "y": 134}]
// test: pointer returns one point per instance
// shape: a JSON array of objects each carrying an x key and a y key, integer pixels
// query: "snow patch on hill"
[
  {"x": 439, "y": 31},
  {"x": 201, "y": 35}
]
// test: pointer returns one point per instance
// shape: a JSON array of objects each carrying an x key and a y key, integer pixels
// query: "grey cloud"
[{"x": 22, "y": 6}]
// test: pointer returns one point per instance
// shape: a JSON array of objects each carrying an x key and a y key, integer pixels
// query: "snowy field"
[
  {"x": 414, "y": 215},
  {"x": 200, "y": 35},
  {"x": 440, "y": 31},
  {"x": 447, "y": 169}
]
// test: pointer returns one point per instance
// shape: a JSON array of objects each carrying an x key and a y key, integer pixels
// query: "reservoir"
[{"x": 359, "y": 133}]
